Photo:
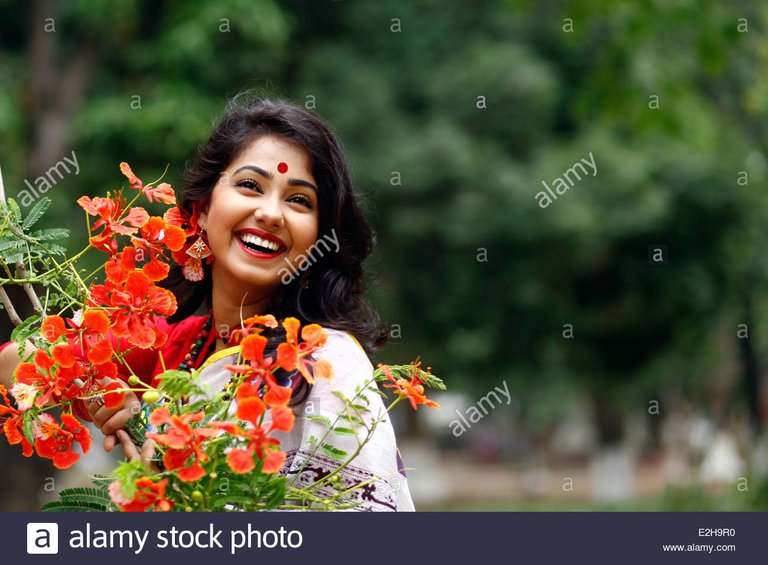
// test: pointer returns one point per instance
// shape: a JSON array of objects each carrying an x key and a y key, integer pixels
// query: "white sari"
[{"x": 378, "y": 463}]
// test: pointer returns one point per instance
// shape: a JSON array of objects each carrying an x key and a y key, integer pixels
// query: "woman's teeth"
[{"x": 258, "y": 244}]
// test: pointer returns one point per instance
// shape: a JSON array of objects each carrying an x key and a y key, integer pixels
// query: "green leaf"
[
  {"x": 179, "y": 383},
  {"x": 54, "y": 249},
  {"x": 322, "y": 419},
  {"x": 277, "y": 495},
  {"x": 88, "y": 495},
  {"x": 352, "y": 419},
  {"x": 343, "y": 431},
  {"x": 10, "y": 245},
  {"x": 36, "y": 213},
  {"x": 332, "y": 451},
  {"x": 15, "y": 211},
  {"x": 51, "y": 234},
  {"x": 28, "y": 426},
  {"x": 26, "y": 329},
  {"x": 231, "y": 499},
  {"x": 341, "y": 395},
  {"x": 62, "y": 506},
  {"x": 127, "y": 473},
  {"x": 14, "y": 257}
]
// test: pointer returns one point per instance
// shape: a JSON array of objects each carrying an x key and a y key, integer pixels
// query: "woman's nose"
[{"x": 269, "y": 213}]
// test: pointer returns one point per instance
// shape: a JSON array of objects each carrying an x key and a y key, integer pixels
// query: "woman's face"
[{"x": 262, "y": 215}]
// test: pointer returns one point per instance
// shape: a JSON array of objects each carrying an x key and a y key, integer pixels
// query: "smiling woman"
[
  {"x": 269, "y": 184},
  {"x": 260, "y": 217}
]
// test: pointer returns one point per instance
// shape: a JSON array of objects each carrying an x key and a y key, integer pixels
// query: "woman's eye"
[
  {"x": 249, "y": 184},
  {"x": 301, "y": 199}
]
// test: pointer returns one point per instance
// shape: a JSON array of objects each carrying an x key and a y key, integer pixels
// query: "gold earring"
[{"x": 199, "y": 249}]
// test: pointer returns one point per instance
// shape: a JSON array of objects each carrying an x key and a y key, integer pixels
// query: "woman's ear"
[{"x": 202, "y": 214}]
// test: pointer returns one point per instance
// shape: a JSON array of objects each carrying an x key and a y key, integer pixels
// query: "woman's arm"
[{"x": 9, "y": 360}]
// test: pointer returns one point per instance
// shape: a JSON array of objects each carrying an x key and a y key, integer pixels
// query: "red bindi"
[{"x": 282, "y": 168}]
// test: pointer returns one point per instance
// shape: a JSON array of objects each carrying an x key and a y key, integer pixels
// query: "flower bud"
[
  {"x": 133, "y": 380},
  {"x": 151, "y": 396},
  {"x": 197, "y": 496}
]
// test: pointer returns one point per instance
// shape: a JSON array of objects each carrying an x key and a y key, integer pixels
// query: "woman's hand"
[
  {"x": 146, "y": 455},
  {"x": 109, "y": 420}
]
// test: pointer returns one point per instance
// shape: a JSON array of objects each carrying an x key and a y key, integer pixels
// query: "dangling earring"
[
  {"x": 304, "y": 281},
  {"x": 199, "y": 249},
  {"x": 193, "y": 267}
]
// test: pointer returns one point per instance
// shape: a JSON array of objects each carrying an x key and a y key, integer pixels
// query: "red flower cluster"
[
  {"x": 410, "y": 388},
  {"x": 49, "y": 379},
  {"x": 129, "y": 294},
  {"x": 259, "y": 375},
  {"x": 81, "y": 353},
  {"x": 292, "y": 355},
  {"x": 54, "y": 441},
  {"x": 185, "y": 450},
  {"x": 251, "y": 408},
  {"x": 132, "y": 300},
  {"x": 148, "y": 495},
  {"x": 12, "y": 424},
  {"x": 110, "y": 211},
  {"x": 162, "y": 192}
]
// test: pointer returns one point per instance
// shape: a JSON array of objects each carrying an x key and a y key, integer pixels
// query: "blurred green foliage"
[{"x": 451, "y": 181}]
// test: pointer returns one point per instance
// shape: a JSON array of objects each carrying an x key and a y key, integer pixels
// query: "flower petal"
[{"x": 240, "y": 460}]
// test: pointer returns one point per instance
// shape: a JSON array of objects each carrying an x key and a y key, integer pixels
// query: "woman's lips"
[{"x": 257, "y": 254}]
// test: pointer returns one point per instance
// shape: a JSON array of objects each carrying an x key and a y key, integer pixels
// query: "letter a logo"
[{"x": 42, "y": 537}]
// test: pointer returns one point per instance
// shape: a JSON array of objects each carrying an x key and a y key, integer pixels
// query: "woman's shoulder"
[{"x": 344, "y": 353}]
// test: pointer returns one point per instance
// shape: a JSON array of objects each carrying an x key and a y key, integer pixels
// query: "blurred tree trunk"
[
  {"x": 750, "y": 365},
  {"x": 609, "y": 417},
  {"x": 56, "y": 91}
]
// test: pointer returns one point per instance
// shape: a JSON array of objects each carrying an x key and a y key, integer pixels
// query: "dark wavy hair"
[{"x": 335, "y": 285}]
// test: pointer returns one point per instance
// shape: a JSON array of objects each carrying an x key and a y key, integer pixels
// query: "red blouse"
[{"x": 146, "y": 363}]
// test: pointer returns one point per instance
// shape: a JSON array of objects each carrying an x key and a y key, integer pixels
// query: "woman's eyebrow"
[{"x": 267, "y": 175}]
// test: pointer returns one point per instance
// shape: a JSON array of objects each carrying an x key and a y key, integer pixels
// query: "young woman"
[{"x": 270, "y": 202}]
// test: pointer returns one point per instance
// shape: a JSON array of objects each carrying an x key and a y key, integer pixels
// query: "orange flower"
[
  {"x": 133, "y": 180},
  {"x": 96, "y": 322},
  {"x": 292, "y": 355},
  {"x": 157, "y": 235},
  {"x": 134, "y": 302},
  {"x": 115, "y": 394},
  {"x": 53, "y": 328},
  {"x": 47, "y": 379},
  {"x": 163, "y": 192},
  {"x": 90, "y": 334},
  {"x": 149, "y": 494},
  {"x": 110, "y": 212},
  {"x": 251, "y": 408},
  {"x": 412, "y": 389},
  {"x": 182, "y": 441},
  {"x": 181, "y": 219},
  {"x": 55, "y": 442},
  {"x": 11, "y": 424},
  {"x": 251, "y": 326}
]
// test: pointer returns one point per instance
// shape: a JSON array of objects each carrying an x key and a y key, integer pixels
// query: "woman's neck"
[{"x": 231, "y": 305}]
